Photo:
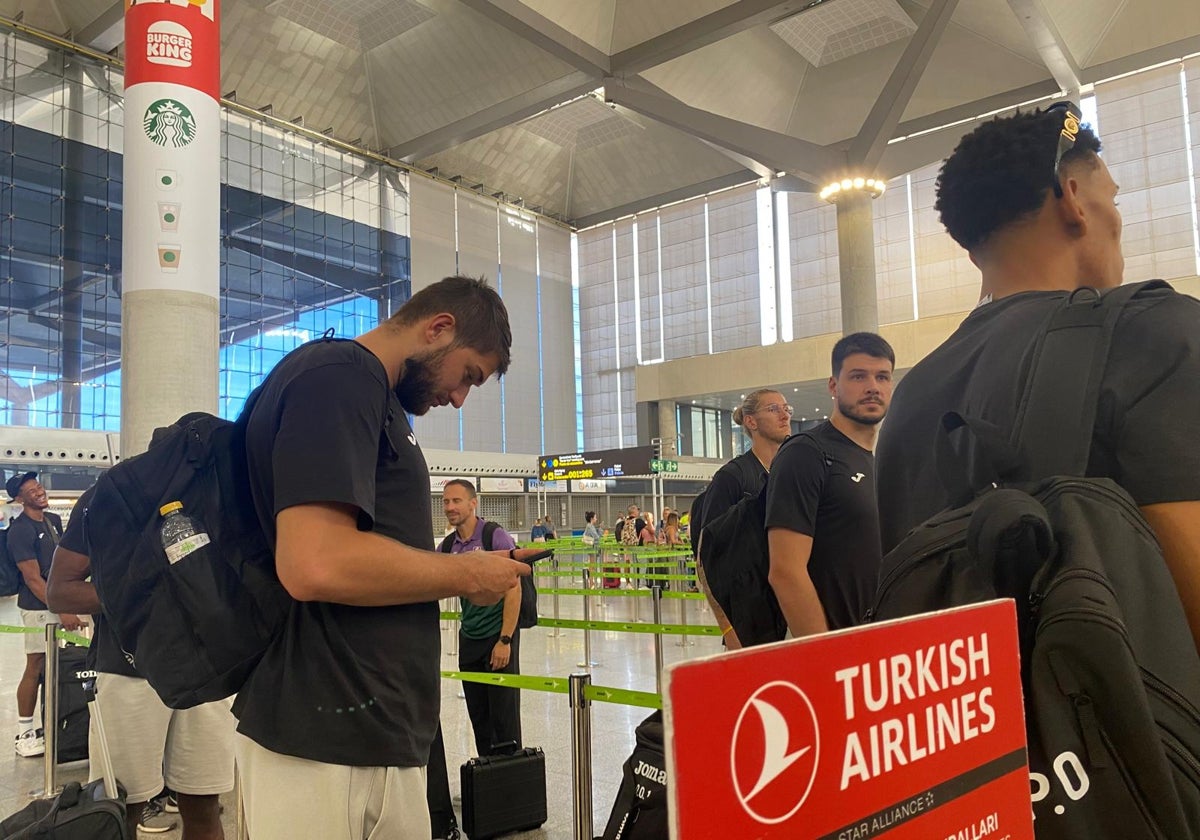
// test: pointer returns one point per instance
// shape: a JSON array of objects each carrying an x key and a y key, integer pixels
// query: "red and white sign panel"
[{"x": 906, "y": 730}]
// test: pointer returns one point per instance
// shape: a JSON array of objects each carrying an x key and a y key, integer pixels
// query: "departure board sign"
[{"x": 605, "y": 463}]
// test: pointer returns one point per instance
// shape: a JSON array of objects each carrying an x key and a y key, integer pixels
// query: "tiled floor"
[{"x": 625, "y": 660}]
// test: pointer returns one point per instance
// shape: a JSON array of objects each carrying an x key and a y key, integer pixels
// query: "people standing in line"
[
  {"x": 648, "y": 534},
  {"x": 1038, "y": 215},
  {"x": 537, "y": 533},
  {"x": 149, "y": 744},
  {"x": 629, "y": 534},
  {"x": 671, "y": 536},
  {"x": 822, "y": 520},
  {"x": 766, "y": 418},
  {"x": 489, "y": 639},
  {"x": 661, "y": 532},
  {"x": 590, "y": 529},
  {"x": 32, "y": 537},
  {"x": 591, "y": 542},
  {"x": 345, "y": 702}
]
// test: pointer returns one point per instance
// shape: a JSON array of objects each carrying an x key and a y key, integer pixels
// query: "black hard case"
[{"x": 503, "y": 793}]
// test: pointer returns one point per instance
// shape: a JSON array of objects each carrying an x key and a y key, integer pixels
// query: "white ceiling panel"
[
  {"x": 752, "y": 77},
  {"x": 656, "y": 161},
  {"x": 591, "y": 20},
  {"x": 509, "y": 158},
  {"x": 270, "y": 60},
  {"x": 967, "y": 67},
  {"x": 1143, "y": 25},
  {"x": 993, "y": 21},
  {"x": 641, "y": 20},
  {"x": 360, "y": 24},
  {"x": 833, "y": 31},
  {"x": 450, "y": 67},
  {"x": 1083, "y": 24}
]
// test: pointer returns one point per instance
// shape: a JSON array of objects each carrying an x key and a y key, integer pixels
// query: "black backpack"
[
  {"x": 640, "y": 810},
  {"x": 736, "y": 560},
  {"x": 79, "y": 812},
  {"x": 10, "y": 575},
  {"x": 196, "y": 628},
  {"x": 1110, "y": 669},
  {"x": 528, "y": 616}
]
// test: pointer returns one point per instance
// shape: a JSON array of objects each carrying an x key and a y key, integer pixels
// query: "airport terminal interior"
[{"x": 679, "y": 201}]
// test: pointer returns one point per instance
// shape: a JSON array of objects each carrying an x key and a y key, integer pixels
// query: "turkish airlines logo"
[{"x": 775, "y": 751}]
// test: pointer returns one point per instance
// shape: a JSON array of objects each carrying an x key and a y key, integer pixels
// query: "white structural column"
[
  {"x": 856, "y": 262},
  {"x": 668, "y": 428},
  {"x": 170, "y": 307}
]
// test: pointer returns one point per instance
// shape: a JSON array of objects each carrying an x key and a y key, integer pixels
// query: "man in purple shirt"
[{"x": 489, "y": 639}]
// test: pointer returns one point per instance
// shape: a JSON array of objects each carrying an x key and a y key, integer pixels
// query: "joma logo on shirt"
[{"x": 857, "y": 477}]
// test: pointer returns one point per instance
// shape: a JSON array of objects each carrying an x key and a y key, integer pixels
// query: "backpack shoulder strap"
[
  {"x": 489, "y": 532},
  {"x": 1057, "y": 412},
  {"x": 447, "y": 543}
]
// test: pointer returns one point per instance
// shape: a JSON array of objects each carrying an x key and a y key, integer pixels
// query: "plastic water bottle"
[{"x": 181, "y": 534}]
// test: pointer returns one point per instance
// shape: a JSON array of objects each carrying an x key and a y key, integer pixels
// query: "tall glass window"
[{"x": 312, "y": 238}]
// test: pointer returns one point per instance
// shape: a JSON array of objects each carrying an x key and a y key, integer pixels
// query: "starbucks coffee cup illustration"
[
  {"x": 168, "y": 215},
  {"x": 168, "y": 258}
]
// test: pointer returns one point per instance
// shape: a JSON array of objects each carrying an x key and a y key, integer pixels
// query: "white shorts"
[
  {"x": 36, "y": 642},
  {"x": 286, "y": 797},
  {"x": 191, "y": 750}
]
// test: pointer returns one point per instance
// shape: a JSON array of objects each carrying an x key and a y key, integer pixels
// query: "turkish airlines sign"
[{"x": 907, "y": 729}]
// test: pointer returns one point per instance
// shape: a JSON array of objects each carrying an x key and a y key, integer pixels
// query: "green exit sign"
[{"x": 663, "y": 465}]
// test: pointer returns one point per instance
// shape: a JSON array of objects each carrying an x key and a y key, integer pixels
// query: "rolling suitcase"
[{"x": 503, "y": 793}]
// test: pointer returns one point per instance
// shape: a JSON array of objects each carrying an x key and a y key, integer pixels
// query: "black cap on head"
[{"x": 13, "y": 485}]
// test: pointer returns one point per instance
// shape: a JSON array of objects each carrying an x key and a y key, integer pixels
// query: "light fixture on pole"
[{"x": 873, "y": 187}]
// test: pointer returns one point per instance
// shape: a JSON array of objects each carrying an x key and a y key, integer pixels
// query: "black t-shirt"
[
  {"x": 29, "y": 539},
  {"x": 343, "y": 684},
  {"x": 741, "y": 477},
  {"x": 1146, "y": 421},
  {"x": 104, "y": 653},
  {"x": 825, "y": 489}
]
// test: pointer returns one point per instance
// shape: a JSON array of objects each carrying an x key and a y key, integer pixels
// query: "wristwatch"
[{"x": 506, "y": 640}]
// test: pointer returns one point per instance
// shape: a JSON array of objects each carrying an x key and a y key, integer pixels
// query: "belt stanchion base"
[
  {"x": 581, "y": 757},
  {"x": 656, "y": 592},
  {"x": 50, "y": 711}
]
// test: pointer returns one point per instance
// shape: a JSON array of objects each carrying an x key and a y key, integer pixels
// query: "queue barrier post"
[
  {"x": 554, "y": 566},
  {"x": 50, "y": 711},
  {"x": 581, "y": 756},
  {"x": 656, "y": 592}
]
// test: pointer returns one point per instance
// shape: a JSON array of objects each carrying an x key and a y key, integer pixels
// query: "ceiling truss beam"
[
  {"x": 1049, "y": 43},
  {"x": 544, "y": 33},
  {"x": 715, "y": 26},
  {"x": 496, "y": 116},
  {"x": 867, "y": 148},
  {"x": 770, "y": 148}
]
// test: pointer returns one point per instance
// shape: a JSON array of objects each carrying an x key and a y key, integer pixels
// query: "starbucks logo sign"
[{"x": 169, "y": 123}]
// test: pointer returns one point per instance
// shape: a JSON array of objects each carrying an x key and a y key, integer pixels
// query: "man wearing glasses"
[
  {"x": 1035, "y": 207},
  {"x": 822, "y": 522}
]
